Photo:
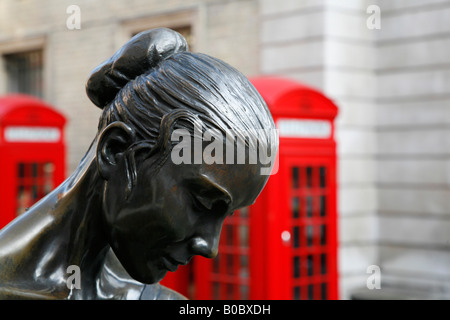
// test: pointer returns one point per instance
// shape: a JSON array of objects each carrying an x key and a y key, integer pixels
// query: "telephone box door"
[{"x": 309, "y": 255}]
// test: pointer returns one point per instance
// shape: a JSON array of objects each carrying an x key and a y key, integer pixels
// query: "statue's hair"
[{"x": 159, "y": 85}]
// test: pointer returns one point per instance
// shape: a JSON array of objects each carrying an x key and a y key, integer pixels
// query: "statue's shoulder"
[
  {"x": 160, "y": 292},
  {"x": 30, "y": 293}
]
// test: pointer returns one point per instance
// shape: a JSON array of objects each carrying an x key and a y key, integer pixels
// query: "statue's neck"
[{"x": 80, "y": 228}]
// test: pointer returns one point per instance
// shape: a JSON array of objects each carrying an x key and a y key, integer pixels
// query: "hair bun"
[{"x": 140, "y": 54}]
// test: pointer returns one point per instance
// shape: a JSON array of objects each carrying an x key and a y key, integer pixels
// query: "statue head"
[{"x": 176, "y": 150}]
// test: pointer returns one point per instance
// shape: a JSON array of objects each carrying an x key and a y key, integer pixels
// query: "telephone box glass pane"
[
  {"x": 215, "y": 265},
  {"x": 310, "y": 265},
  {"x": 34, "y": 168},
  {"x": 230, "y": 291},
  {"x": 244, "y": 292},
  {"x": 310, "y": 292},
  {"x": 229, "y": 265},
  {"x": 296, "y": 236},
  {"x": 21, "y": 170},
  {"x": 35, "y": 180},
  {"x": 296, "y": 267},
  {"x": 229, "y": 239},
  {"x": 309, "y": 178},
  {"x": 295, "y": 177},
  {"x": 309, "y": 206},
  {"x": 309, "y": 235},
  {"x": 243, "y": 235},
  {"x": 323, "y": 206},
  {"x": 244, "y": 267},
  {"x": 295, "y": 207},
  {"x": 216, "y": 288},
  {"x": 322, "y": 172},
  {"x": 296, "y": 293},
  {"x": 323, "y": 263},
  {"x": 324, "y": 291},
  {"x": 323, "y": 234}
]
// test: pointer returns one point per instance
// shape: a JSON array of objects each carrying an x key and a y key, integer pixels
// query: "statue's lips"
[{"x": 171, "y": 264}]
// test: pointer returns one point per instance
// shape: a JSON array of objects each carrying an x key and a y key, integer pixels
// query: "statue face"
[{"x": 174, "y": 213}]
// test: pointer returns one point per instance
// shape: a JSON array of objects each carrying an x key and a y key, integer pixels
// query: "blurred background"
[{"x": 383, "y": 63}]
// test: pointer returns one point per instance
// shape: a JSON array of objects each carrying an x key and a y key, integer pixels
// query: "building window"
[{"x": 24, "y": 72}]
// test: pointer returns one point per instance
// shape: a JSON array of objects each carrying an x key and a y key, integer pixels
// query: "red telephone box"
[
  {"x": 285, "y": 245},
  {"x": 32, "y": 153}
]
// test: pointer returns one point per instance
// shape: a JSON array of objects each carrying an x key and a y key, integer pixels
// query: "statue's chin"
[{"x": 151, "y": 275}]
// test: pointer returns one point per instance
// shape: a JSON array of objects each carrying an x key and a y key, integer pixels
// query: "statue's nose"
[{"x": 207, "y": 247}]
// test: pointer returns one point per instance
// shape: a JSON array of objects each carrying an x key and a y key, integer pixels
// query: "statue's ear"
[{"x": 114, "y": 140}]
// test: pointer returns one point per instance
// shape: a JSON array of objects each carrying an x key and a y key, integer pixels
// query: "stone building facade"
[{"x": 390, "y": 83}]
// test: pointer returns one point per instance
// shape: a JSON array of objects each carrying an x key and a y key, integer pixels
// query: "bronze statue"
[{"x": 135, "y": 194}]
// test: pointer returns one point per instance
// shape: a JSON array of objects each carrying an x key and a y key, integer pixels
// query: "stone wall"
[{"x": 413, "y": 131}]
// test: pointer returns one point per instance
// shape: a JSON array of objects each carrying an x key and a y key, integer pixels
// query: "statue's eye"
[
  {"x": 208, "y": 196},
  {"x": 200, "y": 203},
  {"x": 206, "y": 204}
]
